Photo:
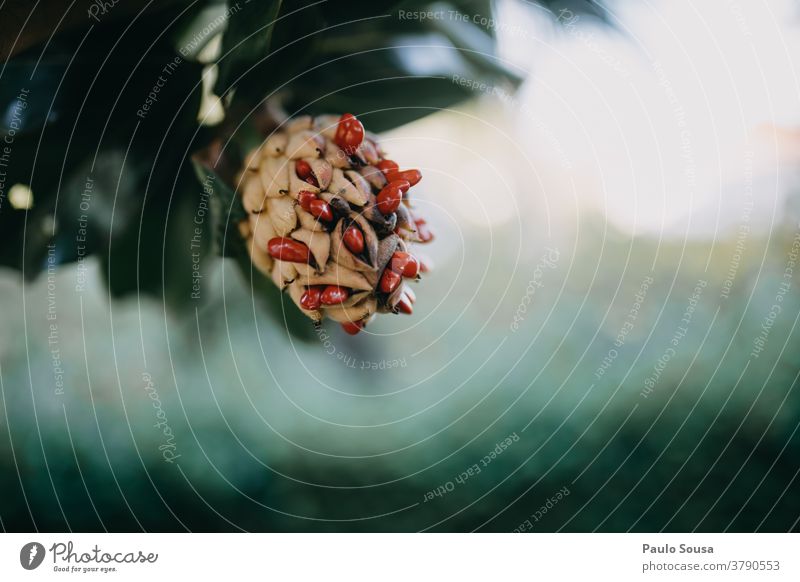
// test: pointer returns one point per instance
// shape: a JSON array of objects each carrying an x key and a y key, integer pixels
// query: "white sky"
[{"x": 667, "y": 119}]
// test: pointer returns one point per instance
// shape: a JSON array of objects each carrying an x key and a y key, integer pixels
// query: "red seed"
[
  {"x": 352, "y": 327},
  {"x": 303, "y": 170},
  {"x": 333, "y": 295},
  {"x": 402, "y": 185},
  {"x": 423, "y": 232},
  {"x": 412, "y": 268},
  {"x": 398, "y": 261},
  {"x": 391, "y": 195},
  {"x": 425, "y": 264},
  {"x": 404, "y": 305},
  {"x": 389, "y": 201},
  {"x": 386, "y": 166},
  {"x": 405, "y": 264},
  {"x": 321, "y": 210},
  {"x": 390, "y": 280},
  {"x": 311, "y": 298},
  {"x": 354, "y": 240},
  {"x": 411, "y": 176},
  {"x": 287, "y": 249},
  {"x": 349, "y": 133},
  {"x": 305, "y": 198}
]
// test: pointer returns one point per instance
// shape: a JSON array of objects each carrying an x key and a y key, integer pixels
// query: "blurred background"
[{"x": 608, "y": 341}]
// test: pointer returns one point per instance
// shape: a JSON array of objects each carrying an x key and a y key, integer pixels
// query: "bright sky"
[{"x": 670, "y": 121}]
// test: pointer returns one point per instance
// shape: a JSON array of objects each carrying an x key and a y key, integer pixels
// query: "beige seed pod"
[
  {"x": 335, "y": 274},
  {"x": 244, "y": 229},
  {"x": 304, "y": 144},
  {"x": 319, "y": 242},
  {"x": 262, "y": 230},
  {"x": 336, "y": 156},
  {"x": 299, "y": 123},
  {"x": 368, "y": 153},
  {"x": 274, "y": 173},
  {"x": 305, "y": 271},
  {"x": 374, "y": 176},
  {"x": 360, "y": 183},
  {"x": 323, "y": 171},
  {"x": 353, "y": 313},
  {"x": 308, "y": 220},
  {"x": 253, "y": 195},
  {"x": 343, "y": 187},
  {"x": 261, "y": 259},
  {"x": 283, "y": 273},
  {"x": 281, "y": 212},
  {"x": 276, "y": 144},
  {"x": 356, "y": 298},
  {"x": 253, "y": 159},
  {"x": 326, "y": 125}
]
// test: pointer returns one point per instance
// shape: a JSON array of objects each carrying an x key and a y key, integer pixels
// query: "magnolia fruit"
[{"x": 330, "y": 220}]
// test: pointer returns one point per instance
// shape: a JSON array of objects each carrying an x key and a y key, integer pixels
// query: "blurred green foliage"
[{"x": 280, "y": 436}]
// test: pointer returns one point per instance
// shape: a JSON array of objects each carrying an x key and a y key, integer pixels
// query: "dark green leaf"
[
  {"x": 372, "y": 62},
  {"x": 246, "y": 41},
  {"x": 226, "y": 212}
]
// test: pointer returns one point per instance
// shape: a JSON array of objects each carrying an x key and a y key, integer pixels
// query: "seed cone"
[{"x": 327, "y": 215}]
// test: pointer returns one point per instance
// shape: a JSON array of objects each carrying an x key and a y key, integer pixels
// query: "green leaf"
[
  {"x": 81, "y": 121},
  {"x": 246, "y": 41},
  {"x": 370, "y": 62},
  {"x": 226, "y": 212},
  {"x": 201, "y": 28},
  {"x": 475, "y": 43},
  {"x": 26, "y": 99},
  {"x": 413, "y": 76}
]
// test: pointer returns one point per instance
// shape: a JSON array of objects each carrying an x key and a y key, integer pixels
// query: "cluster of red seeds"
[{"x": 352, "y": 141}]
